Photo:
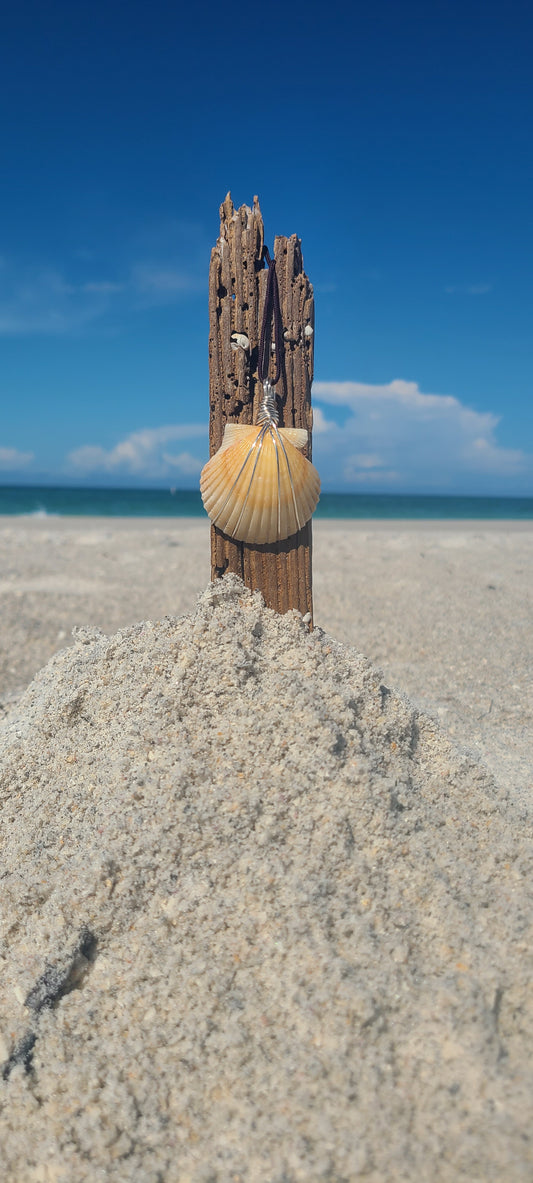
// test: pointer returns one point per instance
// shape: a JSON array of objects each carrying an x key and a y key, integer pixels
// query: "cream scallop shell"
[{"x": 258, "y": 487}]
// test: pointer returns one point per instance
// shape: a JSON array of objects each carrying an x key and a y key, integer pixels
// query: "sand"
[
  {"x": 262, "y": 918},
  {"x": 445, "y": 609}
]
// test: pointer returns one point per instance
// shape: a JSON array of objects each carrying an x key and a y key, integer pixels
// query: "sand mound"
[{"x": 262, "y": 922}]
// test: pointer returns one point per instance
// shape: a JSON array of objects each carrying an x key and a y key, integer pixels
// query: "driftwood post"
[{"x": 281, "y": 571}]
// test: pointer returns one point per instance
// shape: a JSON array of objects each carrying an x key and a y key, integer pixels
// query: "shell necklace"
[{"x": 258, "y": 487}]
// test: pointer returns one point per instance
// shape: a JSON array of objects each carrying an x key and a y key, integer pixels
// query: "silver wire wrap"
[{"x": 268, "y": 411}]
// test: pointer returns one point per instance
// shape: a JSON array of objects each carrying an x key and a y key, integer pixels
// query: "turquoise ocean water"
[{"x": 165, "y": 503}]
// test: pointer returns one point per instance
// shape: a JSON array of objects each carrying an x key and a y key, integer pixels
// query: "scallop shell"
[{"x": 258, "y": 487}]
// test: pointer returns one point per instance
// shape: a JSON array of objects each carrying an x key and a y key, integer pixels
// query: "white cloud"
[
  {"x": 487, "y": 456},
  {"x": 396, "y": 434},
  {"x": 320, "y": 423},
  {"x": 143, "y": 453},
  {"x": 11, "y": 459},
  {"x": 186, "y": 464}
]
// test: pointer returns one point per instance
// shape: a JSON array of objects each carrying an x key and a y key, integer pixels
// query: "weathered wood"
[{"x": 281, "y": 571}]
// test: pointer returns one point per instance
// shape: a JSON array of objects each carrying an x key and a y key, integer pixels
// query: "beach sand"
[
  {"x": 262, "y": 918},
  {"x": 445, "y": 609}
]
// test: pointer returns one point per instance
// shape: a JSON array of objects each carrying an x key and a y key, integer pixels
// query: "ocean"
[{"x": 42, "y": 501}]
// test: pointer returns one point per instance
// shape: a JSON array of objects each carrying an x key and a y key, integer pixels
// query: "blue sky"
[{"x": 393, "y": 138}]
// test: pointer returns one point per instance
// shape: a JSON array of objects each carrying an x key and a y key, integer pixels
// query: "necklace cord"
[{"x": 271, "y": 312}]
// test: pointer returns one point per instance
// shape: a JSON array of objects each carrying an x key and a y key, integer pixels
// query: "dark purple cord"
[{"x": 271, "y": 311}]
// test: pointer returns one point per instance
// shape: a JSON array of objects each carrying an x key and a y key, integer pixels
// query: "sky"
[{"x": 393, "y": 138}]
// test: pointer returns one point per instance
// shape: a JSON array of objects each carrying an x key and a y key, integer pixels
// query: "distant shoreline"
[
  {"x": 38, "y": 522},
  {"x": 40, "y": 501}
]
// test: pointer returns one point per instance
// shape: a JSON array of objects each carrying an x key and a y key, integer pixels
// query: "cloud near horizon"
[
  {"x": 143, "y": 454},
  {"x": 377, "y": 438},
  {"x": 11, "y": 459},
  {"x": 397, "y": 437},
  {"x": 393, "y": 437}
]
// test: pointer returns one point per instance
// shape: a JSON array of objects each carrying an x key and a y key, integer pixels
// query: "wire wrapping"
[{"x": 268, "y": 411}]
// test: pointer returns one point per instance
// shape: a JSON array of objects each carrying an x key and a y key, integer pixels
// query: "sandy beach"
[
  {"x": 445, "y": 609},
  {"x": 266, "y": 893}
]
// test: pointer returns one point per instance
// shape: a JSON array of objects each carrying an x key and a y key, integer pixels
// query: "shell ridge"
[
  {"x": 279, "y": 480},
  {"x": 297, "y": 436},
  {"x": 237, "y": 479},
  {"x": 232, "y": 433},
  {"x": 259, "y": 443},
  {"x": 290, "y": 477}
]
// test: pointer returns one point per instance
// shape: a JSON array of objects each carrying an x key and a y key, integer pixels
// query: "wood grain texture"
[{"x": 281, "y": 571}]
